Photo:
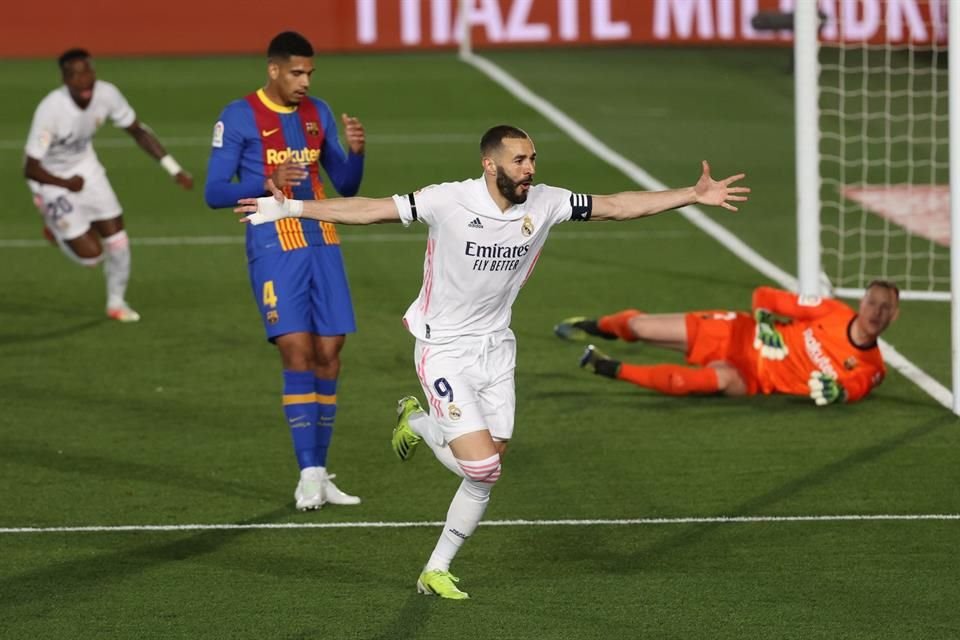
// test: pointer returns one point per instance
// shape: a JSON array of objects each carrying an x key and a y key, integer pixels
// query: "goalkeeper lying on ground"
[{"x": 826, "y": 351}]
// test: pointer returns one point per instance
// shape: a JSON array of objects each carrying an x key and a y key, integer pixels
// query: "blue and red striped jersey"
[{"x": 254, "y": 135}]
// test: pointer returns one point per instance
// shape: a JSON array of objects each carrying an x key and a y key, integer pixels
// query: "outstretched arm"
[
  {"x": 335, "y": 210},
  {"x": 788, "y": 305},
  {"x": 637, "y": 204},
  {"x": 148, "y": 141}
]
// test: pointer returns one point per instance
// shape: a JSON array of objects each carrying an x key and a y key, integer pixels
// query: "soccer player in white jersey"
[
  {"x": 484, "y": 240},
  {"x": 69, "y": 185}
]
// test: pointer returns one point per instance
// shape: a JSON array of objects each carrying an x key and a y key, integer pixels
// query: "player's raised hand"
[
  {"x": 355, "y": 134},
  {"x": 185, "y": 180},
  {"x": 719, "y": 193},
  {"x": 288, "y": 174},
  {"x": 269, "y": 208}
]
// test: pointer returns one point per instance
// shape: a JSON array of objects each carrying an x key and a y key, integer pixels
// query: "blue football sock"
[
  {"x": 300, "y": 406},
  {"x": 326, "y": 413}
]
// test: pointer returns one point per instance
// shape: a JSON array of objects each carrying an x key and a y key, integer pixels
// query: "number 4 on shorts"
[{"x": 269, "y": 297}]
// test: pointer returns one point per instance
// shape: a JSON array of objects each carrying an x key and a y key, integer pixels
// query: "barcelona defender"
[
  {"x": 296, "y": 268},
  {"x": 826, "y": 351}
]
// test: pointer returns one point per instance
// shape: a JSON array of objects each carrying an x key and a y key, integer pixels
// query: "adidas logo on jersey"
[{"x": 475, "y": 224}]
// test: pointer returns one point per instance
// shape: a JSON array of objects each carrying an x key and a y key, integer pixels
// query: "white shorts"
[
  {"x": 68, "y": 214},
  {"x": 469, "y": 383}
]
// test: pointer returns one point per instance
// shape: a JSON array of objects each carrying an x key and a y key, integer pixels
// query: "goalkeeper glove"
[
  {"x": 767, "y": 339},
  {"x": 269, "y": 209},
  {"x": 825, "y": 389}
]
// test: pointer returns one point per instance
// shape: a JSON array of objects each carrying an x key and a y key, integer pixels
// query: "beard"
[{"x": 508, "y": 187}]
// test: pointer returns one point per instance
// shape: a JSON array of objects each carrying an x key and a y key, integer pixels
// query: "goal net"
[
  {"x": 883, "y": 122},
  {"x": 875, "y": 163}
]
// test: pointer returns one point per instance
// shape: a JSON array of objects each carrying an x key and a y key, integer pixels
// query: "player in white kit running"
[
  {"x": 69, "y": 185},
  {"x": 484, "y": 240}
]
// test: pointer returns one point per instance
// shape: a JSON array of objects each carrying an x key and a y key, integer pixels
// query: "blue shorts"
[{"x": 303, "y": 290}]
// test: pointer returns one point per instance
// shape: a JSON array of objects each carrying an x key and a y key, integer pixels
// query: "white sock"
[
  {"x": 428, "y": 429},
  {"x": 116, "y": 267},
  {"x": 466, "y": 511}
]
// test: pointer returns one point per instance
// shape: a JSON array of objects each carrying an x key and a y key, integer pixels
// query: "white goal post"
[{"x": 878, "y": 152}]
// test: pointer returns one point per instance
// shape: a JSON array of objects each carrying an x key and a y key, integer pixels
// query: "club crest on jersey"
[
  {"x": 312, "y": 128},
  {"x": 46, "y": 139},
  {"x": 453, "y": 411},
  {"x": 850, "y": 363},
  {"x": 273, "y": 317},
  {"x": 527, "y": 228}
]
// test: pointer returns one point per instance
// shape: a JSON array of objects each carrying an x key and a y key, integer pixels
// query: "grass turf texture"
[{"x": 177, "y": 420}]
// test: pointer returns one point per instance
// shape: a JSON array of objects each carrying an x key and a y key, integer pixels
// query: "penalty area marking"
[
  {"x": 923, "y": 210},
  {"x": 134, "y": 528}
]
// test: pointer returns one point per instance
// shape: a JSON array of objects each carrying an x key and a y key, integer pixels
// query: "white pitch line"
[
  {"x": 373, "y": 139},
  {"x": 490, "y": 523},
  {"x": 738, "y": 247},
  {"x": 160, "y": 241}
]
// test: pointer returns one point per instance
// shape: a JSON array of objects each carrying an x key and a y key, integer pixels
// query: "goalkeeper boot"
[
  {"x": 309, "y": 493},
  {"x": 333, "y": 495},
  {"x": 601, "y": 363},
  {"x": 580, "y": 329},
  {"x": 440, "y": 583},
  {"x": 404, "y": 440},
  {"x": 122, "y": 313},
  {"x": 591, "y": 356}
]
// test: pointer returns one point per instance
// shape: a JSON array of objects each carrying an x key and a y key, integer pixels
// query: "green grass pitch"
[{"x": 176, "y": 421}]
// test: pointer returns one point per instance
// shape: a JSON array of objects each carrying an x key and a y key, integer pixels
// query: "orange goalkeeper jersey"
[{"x": 817, "y": 339}]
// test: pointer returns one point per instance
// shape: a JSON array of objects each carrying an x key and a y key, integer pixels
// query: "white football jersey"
[
  {"x": 61, "y": 131},
  {"x": 478, "y": 257}
]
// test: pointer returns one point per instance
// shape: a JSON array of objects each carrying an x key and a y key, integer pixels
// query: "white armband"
[{"x": 172, "y": 166}]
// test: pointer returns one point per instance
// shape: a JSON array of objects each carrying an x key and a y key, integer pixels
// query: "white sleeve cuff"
[{"x": 404, "y": 208}]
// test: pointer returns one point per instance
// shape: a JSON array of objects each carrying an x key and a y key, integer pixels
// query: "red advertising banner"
[{"x": 242, "y": 26}]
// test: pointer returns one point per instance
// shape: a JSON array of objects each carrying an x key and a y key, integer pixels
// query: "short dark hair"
[
  {"x": 885, "y": 284},
  {"x": 72, "y": 54},
  {"x": 288, "y": 44},
  {"x": 493, "y": 138}
]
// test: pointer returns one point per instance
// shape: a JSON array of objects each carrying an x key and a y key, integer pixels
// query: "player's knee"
[
  {"x": 118, "y": 241},
  {"x": 486, "y": 471},
  {"x": 88, "y": 259},
  {"x": 729, "y": 381},
  {"x": 326, "y": 365},
  {"x": 296, "y": 355},
  {"x": 732, "y": 385}
]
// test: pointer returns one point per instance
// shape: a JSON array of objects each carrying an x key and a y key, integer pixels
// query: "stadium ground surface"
[{"x": 739, "y": 513}]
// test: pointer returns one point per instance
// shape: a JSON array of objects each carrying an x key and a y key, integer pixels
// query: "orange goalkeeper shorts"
[{"x": 725, "y": 336}]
